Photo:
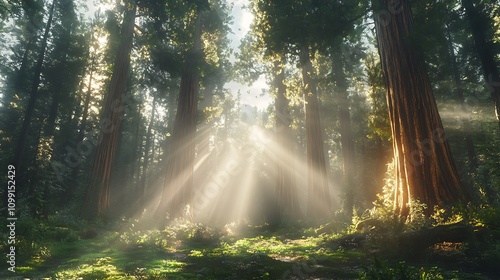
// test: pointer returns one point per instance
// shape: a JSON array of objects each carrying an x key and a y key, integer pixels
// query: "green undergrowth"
[{"x": 186, "y": 250}]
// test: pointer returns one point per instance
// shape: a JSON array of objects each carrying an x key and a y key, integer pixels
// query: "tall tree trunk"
[
  {"x": 83, "y": 124},
  {"x": 147, "y": 148},
  {"x": 286, "y": 196},
  {"x": 135, "y": 170},
  {"x": 424, "y": 166},
  {"x": 318, "y": 204},
  {"x": 481, "y": 29},
  {"x": 205, "y": 130},
  {"x": 10, "y": 115},
  {"x": 23, "y": 135},
  {"x": 459, "y": 91},
  {"x": 178, "y": 187},
  {"x": 60, "y": 89},
  {"x": 346, "y": 140},
  {"x": 97, "y": 202}
]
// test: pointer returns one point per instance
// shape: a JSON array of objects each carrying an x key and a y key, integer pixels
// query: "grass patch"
[{"x": 192, "y": 251}]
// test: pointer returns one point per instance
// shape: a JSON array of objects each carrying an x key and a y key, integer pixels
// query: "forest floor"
[{"x": 191, "y": 251}]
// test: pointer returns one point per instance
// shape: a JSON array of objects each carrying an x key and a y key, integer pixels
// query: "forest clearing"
[{"x": 250, "y": 139}]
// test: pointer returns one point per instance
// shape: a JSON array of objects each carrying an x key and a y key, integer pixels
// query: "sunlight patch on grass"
[
  {"x": 101, "y": 268},
  {"x": 196, "y": 253},
  {"x": 171, "y": 266},
  {"x": 24, "y": 269},
  {"x": 271, "y": 246}
]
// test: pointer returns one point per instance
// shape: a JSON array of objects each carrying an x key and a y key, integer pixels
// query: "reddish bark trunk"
[
  {"x": 178, "y": 188},
  {"x": 346, "y": 140},
  {"x": 286, "y": 196},
  {"x": 97, "y": 203},
  {"x": 424, "y": 166},
  {"x": 147, "y": 148},
  {"x": 319, "y": 195}
]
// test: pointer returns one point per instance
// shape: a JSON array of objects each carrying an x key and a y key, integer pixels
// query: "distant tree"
[
  {"x": 483, "y": 32},
  {"x": 286, "y": 195},
  {"x": 460, "y": 96},
  {"x": 147, "y": 149},
  {"x": 178, "y": 188},
  {"x": 35, "y": 83},
  {"x": 302, "y": 28},
  {"x": 27, "y": 20},
  {"x": 346, "y": 137},
  {"x": 250, "y": 66},
  {"x": 319, "y": 201}
]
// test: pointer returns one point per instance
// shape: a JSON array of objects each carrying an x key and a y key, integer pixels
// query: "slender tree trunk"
[
  {"x": 459, "y": 91},
  {"x": 23, "y": 135},
  {"x": 480, "y": 28},
  {"x": 319, "y": 200},
  {"x": 20, "y": 78},
  {"x": 205, "y": 131},
  {"x": 346, "y": 140},
  {"x": 97, "y": 202},
  {"x": 135, "y": 171},
  {"x": 147, "y": 148},
  {"x": 83, "y": 124},
  {"x": 178, "y": 188},
  {"x": 424, "y": 167},
  {"x": 61, "y": 51},
  {"x": 286, "y": 196}
]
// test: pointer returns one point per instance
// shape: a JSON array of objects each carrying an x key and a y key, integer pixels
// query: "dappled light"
[{"x": 250, "y": 139}]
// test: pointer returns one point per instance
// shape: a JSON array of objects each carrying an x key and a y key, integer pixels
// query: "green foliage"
[
  {"x": 487, "y": 216},
  {"x": 101, "y": 268},
  {"x": 180, "y": 230},
  {"x": 417, "y": 217},
  {"x": 287, "y": 26},
  {"x": 266, "y": 255},
  {"x": 151, "y": 274},
  {"x": 193, "y": 233},
  {"x": 490, "y": 256},
  {"x": 384, "y": 209},
  {"x": 35, "y": 237},
  {"x": 384, "y": 271}
]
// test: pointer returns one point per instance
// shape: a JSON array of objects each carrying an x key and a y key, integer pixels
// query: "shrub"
[{"x": 383, "y": 271}]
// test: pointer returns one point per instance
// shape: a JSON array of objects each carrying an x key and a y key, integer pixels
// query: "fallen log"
[{"x": 416, "y": 242}]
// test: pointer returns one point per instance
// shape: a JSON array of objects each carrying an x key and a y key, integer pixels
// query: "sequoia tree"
[
  {"x": 482, "y": 28},
  {"x": 346, "y": 138},
  {"x": 178, "y": 186},
  {"x": 286, "y": 195},
  {"x": 97, "y": 203},
  {"x": 424, "y": 167},
  {"x": 318, "y": 201}
]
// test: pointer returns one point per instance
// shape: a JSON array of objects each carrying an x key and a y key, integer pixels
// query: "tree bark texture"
[
  {"x": 346, "y": 139},
  {"x": 318, "y": 205},
  {"x": 97, "y": 203},
  {"x": 424, "y": 167},
  {"x": 178, "y": 187},
  {"x": 147, "y": 148},
  {"x": 286, "y": 195}
]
